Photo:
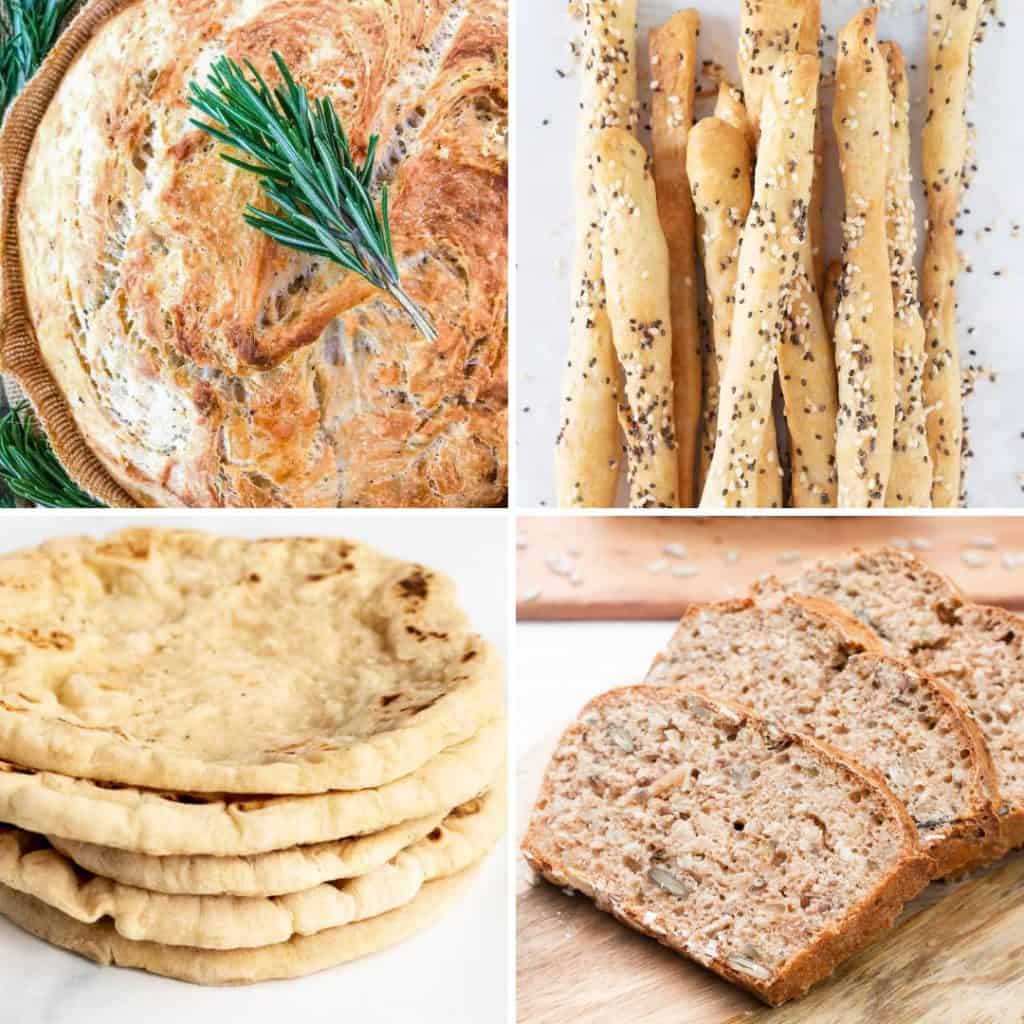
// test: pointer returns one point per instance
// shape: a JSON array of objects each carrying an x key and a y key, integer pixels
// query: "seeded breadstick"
[
  {"x": 729, "y": 107},
  {"x": 588, "y": 449},
  {"x": 807, "y": 371},
  {"x": 719, "y": 166},
  {"x": 830, "y": 295},
  {"x": 910, "y": 480},
  {"x": 951, "y": 27},
  {"x": 636, "y": 269},
  {"x": 864, "y": 322},
  {"x": 673, "y": 49},
  {"x": 769, "y": 256},
  {"x": 770, "y": 29}
]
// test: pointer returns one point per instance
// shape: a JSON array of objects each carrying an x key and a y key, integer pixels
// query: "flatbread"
[
  {"x": 30, "y": 865},
  {"x": 180, "y": 660},
  {"x": 300, "y": 955},
  {"x": 262, "y": 874},
  {"x": 162, "y": 823}
]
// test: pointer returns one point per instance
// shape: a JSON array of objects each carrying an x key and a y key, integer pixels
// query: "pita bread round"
[
  {"x": 33, "y": 867},
  {"x": 180, "y": 660},
  {"x": 262, "y": 874},
  {"x": 161, "y": 823},
  {"x": 300, "y": 955}
]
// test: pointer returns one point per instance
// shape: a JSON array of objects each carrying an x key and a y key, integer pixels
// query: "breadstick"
[
  {"x": 719, "y": 166},
  {"x": 770, "y": 29},
  {"x": 864, "y": 322},
  {"x": 910, "y": 480},
  {"x": 951, "y": 27},
  {"x": 830, "y": 295},
  {"x": 769, "y": 255},
  {"x": 588, "y": 449},
  {"x": 636, "y": 270},
  {"x": 730, "y": 107},
  {"x": 673, "y": 48}
]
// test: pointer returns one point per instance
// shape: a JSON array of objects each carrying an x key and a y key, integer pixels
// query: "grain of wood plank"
[{"x": 622, "y": 570}]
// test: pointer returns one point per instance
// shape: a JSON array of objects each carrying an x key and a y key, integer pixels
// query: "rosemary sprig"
[
  {"x": 28, "y": 28},
  {"x": 300, "y": 151},
  {"x": 31, "y": 470}
]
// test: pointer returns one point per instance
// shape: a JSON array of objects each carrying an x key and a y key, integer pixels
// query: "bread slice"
[
  {"x": 813, "y": 668},
  {"x": 976, "y": 651},
  {"x": 765, "y": 856}
]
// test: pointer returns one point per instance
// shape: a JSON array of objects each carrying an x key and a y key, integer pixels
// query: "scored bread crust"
[
  {"x": 970, "y": 841},
  {"x": 204, "y": 363},
  {"x": 875, "y": 912}
]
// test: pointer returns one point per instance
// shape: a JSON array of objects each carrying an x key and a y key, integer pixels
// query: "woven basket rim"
[{"x": 20, "y": 357}]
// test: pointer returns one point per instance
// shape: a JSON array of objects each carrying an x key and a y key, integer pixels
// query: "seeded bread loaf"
[
  {"x": 815, "y": 669},
  {"x": 764, "y": 856},
  {"x": 977, "y": 652}
]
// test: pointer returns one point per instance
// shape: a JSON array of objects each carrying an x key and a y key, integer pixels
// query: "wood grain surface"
[
  {"x": 955, "y": 957},
  {"x": 616, "y": 567}
]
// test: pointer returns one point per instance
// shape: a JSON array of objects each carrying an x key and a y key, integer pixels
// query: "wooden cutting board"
[
  {"x": 586, "y": 567},
  {"x": 955, "y": 957}
]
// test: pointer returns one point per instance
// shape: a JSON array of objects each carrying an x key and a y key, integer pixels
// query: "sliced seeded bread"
[
  {"x": 765, "y": 856},
  {"x": 811, "y": 667},
  {"x": 976, "y": 651}
]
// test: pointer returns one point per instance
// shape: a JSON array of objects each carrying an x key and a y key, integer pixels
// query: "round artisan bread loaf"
[{"x": 204, "y": 363}]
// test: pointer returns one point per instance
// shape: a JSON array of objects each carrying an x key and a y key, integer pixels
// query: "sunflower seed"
[
  {"x": 747, "y": 966},
  {"x": 621, "y": 738},
  {"x": 667, "y": 881}
]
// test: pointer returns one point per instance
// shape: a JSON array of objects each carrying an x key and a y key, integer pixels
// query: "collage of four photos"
[{"x": 511, "y": 512}]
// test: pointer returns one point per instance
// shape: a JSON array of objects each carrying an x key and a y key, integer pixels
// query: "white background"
[
  {"x": 543, "y": 223},
  {"x": 454, "y": 973}
]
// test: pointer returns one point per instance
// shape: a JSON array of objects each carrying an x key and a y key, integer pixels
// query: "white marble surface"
[
  {"x": 454, "y": 973},
  {"x": 545, "y": 127}
]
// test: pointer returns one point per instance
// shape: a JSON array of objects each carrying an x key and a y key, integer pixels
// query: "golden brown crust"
[
  {"x": 874, "y": 913},
  {"x": 205, "y": 364},
  {"x": 673, "y": 49}
]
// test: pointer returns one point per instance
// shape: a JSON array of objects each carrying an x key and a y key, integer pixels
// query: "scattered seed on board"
[
  {"x": 685, "y": 571},
  {"x": 974, "y": 559},
  {"x": 788, "y": 557},
  {"x": 559, "y": 566},
  {"x": 1011, "y": 561},
  {"x": 658, "y": 566},
  {"x": 900, "y": 543},
  {"x": 920, "y": 543},
  {"x": 984, "y": 543},
  {"x": 530, "y": 595},
  {"x": 732, "y": 556},
  {"x": 520, "y": 543},
  {"x": 674, "y": 550}
]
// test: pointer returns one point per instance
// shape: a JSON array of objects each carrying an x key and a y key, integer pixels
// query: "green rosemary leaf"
[
  {"x": 301, "y": 154},
  {"x": 31, "y": 470},
  {"x": 28, "y": 28}
]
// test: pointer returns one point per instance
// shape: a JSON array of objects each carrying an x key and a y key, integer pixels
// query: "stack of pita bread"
[{"x": 227, "y": 760}]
